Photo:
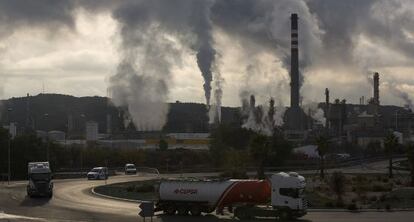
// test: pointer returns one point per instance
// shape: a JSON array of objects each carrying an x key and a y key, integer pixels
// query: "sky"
[{"x": 149, "y": 52}]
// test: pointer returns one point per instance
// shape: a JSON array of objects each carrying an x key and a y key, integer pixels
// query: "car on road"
[
  {"x": 130, "y": 168},
  {"x": 98, "y": 173}
]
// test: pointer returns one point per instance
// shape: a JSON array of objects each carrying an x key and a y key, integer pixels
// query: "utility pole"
[{"x": 9, "y": 151}]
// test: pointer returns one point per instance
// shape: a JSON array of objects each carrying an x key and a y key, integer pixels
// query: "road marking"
[{"x": 18, "y": 217}]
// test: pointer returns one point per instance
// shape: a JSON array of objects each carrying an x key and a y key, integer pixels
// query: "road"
[{"x": 73, "y": 201}]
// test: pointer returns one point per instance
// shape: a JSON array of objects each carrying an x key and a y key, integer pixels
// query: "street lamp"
[
  {"x": 396, "y": 120},
  {"x": 46, "y": 116},
  {"x": 83, "y": 116},
  {"x": 8, "y": 145}
]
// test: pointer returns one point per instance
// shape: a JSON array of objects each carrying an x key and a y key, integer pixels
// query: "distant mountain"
[{"x": 52, "y": 112}]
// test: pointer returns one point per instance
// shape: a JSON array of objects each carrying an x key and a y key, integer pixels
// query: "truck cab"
[
  {"x": 288, "y": 193},
  {"x": 40, "y": 179}
]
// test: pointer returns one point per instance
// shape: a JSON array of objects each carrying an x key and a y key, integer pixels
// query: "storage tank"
[
  {"x": 207, "y": 191},
  {"x": 216, "y": 194}
]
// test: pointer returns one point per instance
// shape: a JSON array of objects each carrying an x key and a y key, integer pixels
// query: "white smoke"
[
  {"x": 259, "y": 118},
  {"x": 142, "y": 77},
  {"x": 315, "y": 112},
  {"x": 396, "y": 91}
]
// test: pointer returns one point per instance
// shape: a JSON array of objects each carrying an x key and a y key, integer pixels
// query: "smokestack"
[
  {"x": 252, "y": 102},
  {"x": 376, "y": 89},
  {"x": 294, "y": 63},
  {"x": 327, "y": 107}
]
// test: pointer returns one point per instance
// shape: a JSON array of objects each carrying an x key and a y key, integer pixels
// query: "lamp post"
[
  {"x": 83, "y": 145},
  {"x": 8, "y": 146},
  {"x": 396, "y": 120},
  {"x": 46, "y": 116}
]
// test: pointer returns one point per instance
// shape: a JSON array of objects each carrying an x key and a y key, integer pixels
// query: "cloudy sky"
[{"x": 172, "y": 48}]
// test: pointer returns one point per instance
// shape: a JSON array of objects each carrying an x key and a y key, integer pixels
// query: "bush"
[
  {"x": 373, "y": 198},
  {"x": 337, "y": 184},
  {"x": 382, "y": 198},
  {"x": 352, "y": 207},
  {"x": 329, "y": 205},
  {"x": 130, "y": 188},
  {"x": 380, "y": 188},
  {"x": 145, "y": 188},
  {"x": 388, "y": 207}
]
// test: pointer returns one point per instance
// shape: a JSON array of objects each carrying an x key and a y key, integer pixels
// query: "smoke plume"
[
  {"x": 262, "y": 119},
  {"x": 396, "y": 91}
]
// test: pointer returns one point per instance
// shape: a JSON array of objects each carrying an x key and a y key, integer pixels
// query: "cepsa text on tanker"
[{"x": 185, "y": 191}]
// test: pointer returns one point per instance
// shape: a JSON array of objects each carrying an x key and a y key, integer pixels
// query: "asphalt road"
[{"x": 73, "y": 201}]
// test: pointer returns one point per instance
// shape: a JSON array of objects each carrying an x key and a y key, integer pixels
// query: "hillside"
[{"x": 51, "y": 112}]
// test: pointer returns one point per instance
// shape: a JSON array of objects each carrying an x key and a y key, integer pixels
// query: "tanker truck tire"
[
  {"x": 195, "y": 210},
  {"x": 241, "y": 213},
  {"x": 170, "y": 210},
  {"x": 182, "y": 210},
  {"x": 285, "y": 215}
]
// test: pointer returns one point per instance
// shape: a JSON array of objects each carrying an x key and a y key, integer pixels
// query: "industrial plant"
[{"x": 110, "y": 126}]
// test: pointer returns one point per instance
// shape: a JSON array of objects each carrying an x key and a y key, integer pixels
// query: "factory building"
[{"x": 365, "y": 123}]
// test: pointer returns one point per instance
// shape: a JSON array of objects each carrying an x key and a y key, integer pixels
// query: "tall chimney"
[
  {"x": 376, "y": 89},
  {"x": 294, "y": 63},
  {"x": 327, "y": 108}
]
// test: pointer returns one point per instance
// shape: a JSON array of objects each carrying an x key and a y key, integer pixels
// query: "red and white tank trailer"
[{"x": 279, "y": 196}]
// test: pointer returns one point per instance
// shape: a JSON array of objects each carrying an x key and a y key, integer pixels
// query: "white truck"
[
  {"x": 40, "y": 179},
  {"x": 279, "y": 196}
]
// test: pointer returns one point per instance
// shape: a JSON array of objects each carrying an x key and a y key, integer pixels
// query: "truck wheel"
[
  {"x": 241, "y": 214},
  {"x": 195, "y": 210},
  {"x": 285, "y": 215},
  {"x": 170, "y": 210},
  {"x": 182, "y": 210}
]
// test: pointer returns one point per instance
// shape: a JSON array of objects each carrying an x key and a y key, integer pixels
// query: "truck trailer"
[
  {"x": 40, "y": 179},
  {"x": 279, "y": 196}
]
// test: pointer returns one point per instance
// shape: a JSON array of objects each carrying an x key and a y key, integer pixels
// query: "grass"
[{"x": 136, "y": 190}]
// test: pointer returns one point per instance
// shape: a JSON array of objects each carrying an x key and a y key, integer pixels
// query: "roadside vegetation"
[
  {"x": 354, "y": 192},
  {"x": 137, "y": 190}
]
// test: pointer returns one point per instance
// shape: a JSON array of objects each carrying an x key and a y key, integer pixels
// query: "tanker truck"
[{"x": 279, "y": 196}]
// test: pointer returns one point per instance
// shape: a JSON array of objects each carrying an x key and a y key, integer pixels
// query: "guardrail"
[{"x": 300, "y": 165}]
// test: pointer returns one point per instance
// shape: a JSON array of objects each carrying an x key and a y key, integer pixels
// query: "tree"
[
  {"x": 4, "y": 137},
  {"x": 410, "y": 156},
  {"x": 259, "y": 150},
  {"x": 337, "y": 184},
  {"x": 163, "y": 145},
  {"x": 322, "y": 148},
  {"x": 390, "y": 144}
]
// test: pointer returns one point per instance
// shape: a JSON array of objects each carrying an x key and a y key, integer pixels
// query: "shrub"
[
  {"x": 373, "y": 198},
  {"x": 385, "y": 180},
  {"x": 352, "y": 207},
  {"x": 382, "y": 198},
  {"x": 340, "y": 204},
  {"x": 145, "y": 188},
  {"x": 337, "y": 183},
  {"x": 329, "y": 204},
  {"x": 130, "y": 188},
  {"x": 398, "y": 182},
  {"x": 388, "y": 207},
  {"x": 380, "y": 188}
]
